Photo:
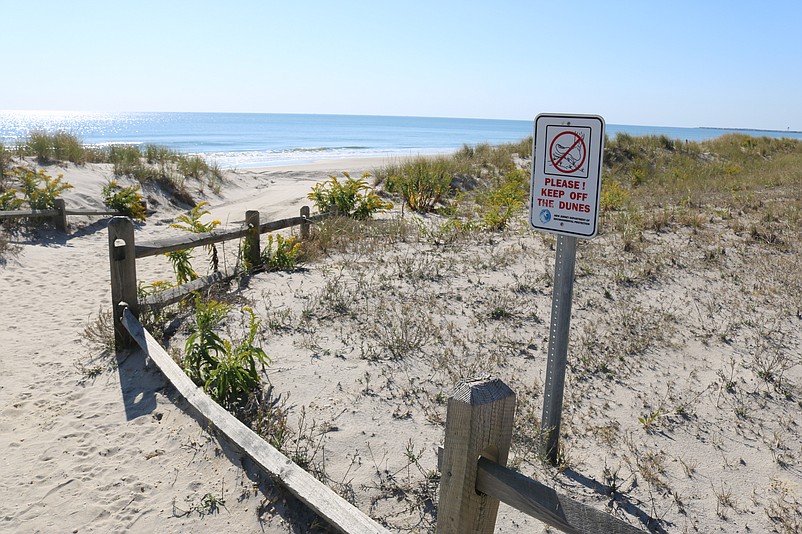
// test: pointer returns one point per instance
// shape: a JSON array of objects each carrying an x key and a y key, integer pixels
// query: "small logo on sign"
[{"x": 545, "y": 216}]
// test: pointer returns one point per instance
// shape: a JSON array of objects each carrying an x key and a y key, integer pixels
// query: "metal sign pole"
[
  {"x": 558, "y": 346},
  {"x": 568, "y": 152}
]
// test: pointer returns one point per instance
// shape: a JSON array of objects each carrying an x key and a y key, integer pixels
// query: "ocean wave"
[
  {"x": 296, "y": 156},
  {"x": 324, "y": 149}
]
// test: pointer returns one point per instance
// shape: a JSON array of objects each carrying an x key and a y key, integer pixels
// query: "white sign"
[{"x": 566, "y": 174}]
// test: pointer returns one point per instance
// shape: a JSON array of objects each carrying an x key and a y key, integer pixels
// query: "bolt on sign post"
[{"x": 566, "y": 184}]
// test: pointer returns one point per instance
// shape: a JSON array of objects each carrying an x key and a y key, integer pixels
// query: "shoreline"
[{"x": 334, "y": 164}]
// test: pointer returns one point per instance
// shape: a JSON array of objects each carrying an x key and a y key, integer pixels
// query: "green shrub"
[
  {"x": 192, "y": 166},
  {"x": 67, "y": 147},
  {"x": 195, "y": 167},
  {"x": 8, "y": 195},
  {"x": 280, "y": 254},
  {"x": 613, "y": 196},
  {"x": 191, "y": 223},
  {"x": 203, "y": 345},
  {"x": 523, "y": 148},
  {"x": 422, "y": 183},
  {"x": 5, "y": 164},
  {"x": 159, "y": 154},
  {"x": 9, "y": 200},
  {"x": 124, "y": 199},
  {"x": 180, "y": 260},
  {"x": 226, "y": 370},
  {"x": 156, "y": 166},
  {"x": 39, "y": 189},
  {"x": 495, "y": 159},
  {"x": 351, "y": 198},
  {"x": 506, "y": 195},
  {"x": 234, "y": 378}
]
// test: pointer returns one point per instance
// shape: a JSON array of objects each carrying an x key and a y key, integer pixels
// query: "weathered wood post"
[
  {"x": 60, "y": 219},
  {"x": 479, "y": 423},
  {"x": 252, "y": 239},
  {"x": 122, "y": 259},
  {"x": 305, "y": 226}
]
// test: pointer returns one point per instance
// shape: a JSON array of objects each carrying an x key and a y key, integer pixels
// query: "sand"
[
  {"x": 89, "y": 454},
  {"x": 678, "y": 434}
]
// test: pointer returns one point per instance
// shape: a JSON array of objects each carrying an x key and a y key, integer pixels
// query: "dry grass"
[{"x": 685, "y": 377}]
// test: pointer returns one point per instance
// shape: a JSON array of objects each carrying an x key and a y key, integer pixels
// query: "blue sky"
[{"x": 683, "y": 63}]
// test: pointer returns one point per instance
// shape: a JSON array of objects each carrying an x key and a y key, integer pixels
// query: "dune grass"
[
  {"x": 148, "y": 164},
  {"x": 658, "y": 170},
  {"x": 700, "y": 245},
  {"x": 688, "y": 302}
]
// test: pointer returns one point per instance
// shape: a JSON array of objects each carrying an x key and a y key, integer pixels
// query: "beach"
[
  {"x": 680, "y": 437},
  {"x": 74, "y": 460}
]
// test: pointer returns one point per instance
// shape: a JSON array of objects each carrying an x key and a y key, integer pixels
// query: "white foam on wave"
[{"x": 271, "y": 158}]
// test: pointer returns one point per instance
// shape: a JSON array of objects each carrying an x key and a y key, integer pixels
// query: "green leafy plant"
[
  {"x": 124, "y": 199},
  {"x": 203, "y": 346},
  {"x": 503, "y": 198},
  {"x": 613, "y": 196},
  {"x": 226, "y": 370},
  {"x": 191, "y": 223},
  {"x": 650, "y": 419},
  {"x": 9, "y": 200},
  {"x": 39, "y": 189},
  {"x": 180, "y": 260},
  {"x": 280, "y": 254},
  {"x": 350, "y": 198},
  {"x": 155, "y": 318},
  {"x": 235, "y": 376}
]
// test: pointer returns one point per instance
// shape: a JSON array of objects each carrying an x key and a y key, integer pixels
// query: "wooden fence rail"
[
  {"x": 124, "y": 251},
  {"x": 479, "y": 420},
  {"x": 474, "y": 478},
  {"x": 58, "y": 214},
  {"x": 181, "y": 242},
  {"x": 316, "y": 495}
]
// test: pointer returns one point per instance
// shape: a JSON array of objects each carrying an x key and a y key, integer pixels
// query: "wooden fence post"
[
  {"x": 479, "y": 423},
  {"x": 122, "y": 259},
  {"x": 60, "y": 219},
  {"x": 305, "y": 225},
  {"x": 252, "y": 239}
]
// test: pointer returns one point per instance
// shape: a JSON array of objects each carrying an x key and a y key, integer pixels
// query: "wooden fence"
[
  {"x": 58, "y": 214},
  {"x": 474, "y": 478},
  {"x": 479, "y": 421},
  {"x": 317, "y": 496},
  {"x": 124, "y": 251}
]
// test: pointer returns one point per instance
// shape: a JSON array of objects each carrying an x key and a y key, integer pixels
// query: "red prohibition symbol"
[{"x": 567, "y": 152}]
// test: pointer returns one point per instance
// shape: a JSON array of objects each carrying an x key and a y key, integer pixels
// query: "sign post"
[{"x": 566, "y": 182}]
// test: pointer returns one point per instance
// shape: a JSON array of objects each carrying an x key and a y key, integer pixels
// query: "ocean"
[{"x": 265, "y": 139}]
